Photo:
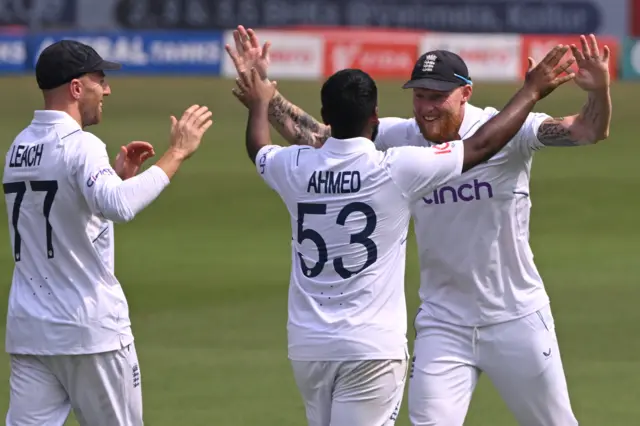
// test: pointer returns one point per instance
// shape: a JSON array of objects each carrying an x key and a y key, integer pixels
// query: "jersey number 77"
[{"x": 20, "y": 189}]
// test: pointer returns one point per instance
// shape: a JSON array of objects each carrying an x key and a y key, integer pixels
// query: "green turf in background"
[{"x": 206, "y": 266}]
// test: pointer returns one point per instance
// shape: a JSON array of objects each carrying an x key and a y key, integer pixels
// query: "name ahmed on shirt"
[{"x": 328, "y": 182}]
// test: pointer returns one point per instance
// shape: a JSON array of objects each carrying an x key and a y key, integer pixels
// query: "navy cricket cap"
[
  {"x": 65, "y": 60},
  {"x": 439, "y": 70}
]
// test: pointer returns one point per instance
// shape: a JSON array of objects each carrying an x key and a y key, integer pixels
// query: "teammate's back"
[
  {"x": 63, "y": 252},
  {"x": 349, "y": 220},
  {"x": 68, "y": 332}
]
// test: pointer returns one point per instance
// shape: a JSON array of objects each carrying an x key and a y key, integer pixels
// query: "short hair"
[{"x": 349, "y": 99}]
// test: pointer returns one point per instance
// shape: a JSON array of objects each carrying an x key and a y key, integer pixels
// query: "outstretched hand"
[
  {"x": 131, "y": 157},
  {"x": 187, "y": 132},
  {"x": 253, "y": 90},
  {"x": 593, "y": 66},
  {"x": 248, "y": 53},
  {"x": 546, "y": 76}
]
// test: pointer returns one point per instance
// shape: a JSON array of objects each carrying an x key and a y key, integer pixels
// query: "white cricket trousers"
[
  {"x": 521, "y": 357},
  {"x": 103, "y": 389},
  {"x": 351, "y": 393}
]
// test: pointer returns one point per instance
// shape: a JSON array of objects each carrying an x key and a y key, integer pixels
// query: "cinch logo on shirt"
[
  {"x": 96, "y": 175},
  {"x": 464, "y": 192}
]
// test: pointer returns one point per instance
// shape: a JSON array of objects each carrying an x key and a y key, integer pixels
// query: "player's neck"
[
  {"x": 71, "y": 110},
  {"x": 343, "y": 137}
]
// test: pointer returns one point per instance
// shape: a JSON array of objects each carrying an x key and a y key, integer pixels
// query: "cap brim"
[
  {"x": 431, "y": 84},
  {"x": 107, "y": 66}
]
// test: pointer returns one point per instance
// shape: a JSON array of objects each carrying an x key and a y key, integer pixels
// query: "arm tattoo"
[
  {"x": 553, "y": 132},
  {"x": 588, "y": 127},
  {"x": 295, "y": 125}
]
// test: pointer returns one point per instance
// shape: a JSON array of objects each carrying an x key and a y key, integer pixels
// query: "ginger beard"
[{"x": 439, "y": 115}]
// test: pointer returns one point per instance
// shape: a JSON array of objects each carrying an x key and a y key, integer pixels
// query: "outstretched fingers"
[
  {"x": 606, "y": 54},
  {"x": 553, "y": 57},
  {"x": 564, "y": 66},
  {"x": 559, "y": 81},
  {"x": 265, "y": 50},
  {"x": 593, "y": 46}
]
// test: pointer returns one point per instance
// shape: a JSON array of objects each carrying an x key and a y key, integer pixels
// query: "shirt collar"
[
  {"x": 471, "y": 118},
  {"x": 347, "y": 146},
  {"x": 54, "y": 117}
]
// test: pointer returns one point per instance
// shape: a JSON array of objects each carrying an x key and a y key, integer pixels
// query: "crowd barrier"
[{"x": 312, "y": 53}]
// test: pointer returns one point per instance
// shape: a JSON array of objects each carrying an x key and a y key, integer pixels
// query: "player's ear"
[
  {"x": 467, "y": 91},
  {"x": 75, "y": 88},
  {"x": 374, "y": 122},
  {"x": 374, "y": 119}
]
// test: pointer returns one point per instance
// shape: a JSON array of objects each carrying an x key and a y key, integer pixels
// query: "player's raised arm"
[
  {"x": 119, "y": 201},
  {"x": 540, "y": 81},
  {"x": 592, "y": 123},
  {"x": 291, "y": 122},
  {"x": 257, "y": 92}
]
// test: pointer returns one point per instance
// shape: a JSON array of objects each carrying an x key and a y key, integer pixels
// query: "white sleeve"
[
  {"x": 419, "y": 170},
  {"x": 106, "y": 194},
  {"x": 526, "y": 140},
  {"x": 389, "y": 130},
  {"x": 272, "y": 161}
]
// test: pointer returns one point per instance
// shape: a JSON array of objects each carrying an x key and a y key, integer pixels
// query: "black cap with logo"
[
  {"x": 65, "y": 60},
  {"x": 439, "y": 70}
]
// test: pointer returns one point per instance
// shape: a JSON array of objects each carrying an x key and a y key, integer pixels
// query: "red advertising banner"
[
  {"x": 384, "y": 54},
  {"x": 634, "y": 18},
  {"x": 538, "y": 46}
]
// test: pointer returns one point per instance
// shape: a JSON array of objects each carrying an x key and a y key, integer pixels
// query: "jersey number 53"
[{"x": 361, "y": 237}]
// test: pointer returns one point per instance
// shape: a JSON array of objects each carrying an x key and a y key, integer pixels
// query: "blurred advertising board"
[
  {"x": 631, "y": 59},
  {"x": 489, "y": 57},
  {"x": 634, "y": 18},
  {"x": 146, "y": 52},
  {"x": 313, "y": 53},
  {"x": 13, "y": 54},
  {"x": 292, "y": 55},
  {"x": 606, "y": 17},
  {"x": 383, "y": 54}
]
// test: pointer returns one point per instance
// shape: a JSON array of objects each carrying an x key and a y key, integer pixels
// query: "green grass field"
[{"x": 206, "y": 266}]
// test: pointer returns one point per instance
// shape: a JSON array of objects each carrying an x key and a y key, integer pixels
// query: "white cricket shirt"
[
  {"x": 350, "y": 212},
  {"x": 62, "y": 196},
  {"x": 476, "y": 265}
]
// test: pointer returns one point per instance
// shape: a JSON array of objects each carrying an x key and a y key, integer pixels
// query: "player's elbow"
[
  {"x": 590, "y": 136},
  {"x": 588, "y": 133},
  {"x": 604, "y": 134}
]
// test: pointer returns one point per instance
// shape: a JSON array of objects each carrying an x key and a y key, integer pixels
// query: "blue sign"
[
  {"x": 631, "y": 59},
  {"x": 147, "y": 52},
  {"x": 13, "y": 54}
]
